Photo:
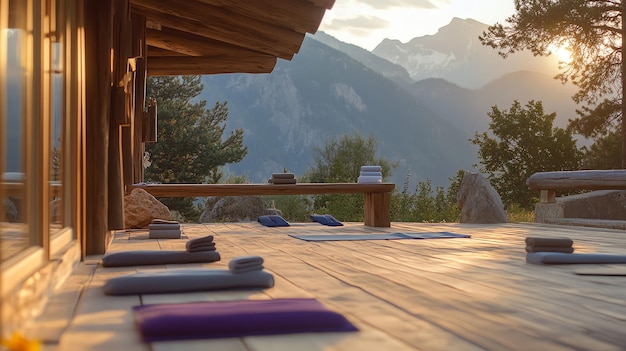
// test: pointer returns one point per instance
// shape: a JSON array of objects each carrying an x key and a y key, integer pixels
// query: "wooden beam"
[
  {"x": 156, "y": 51},
  {"x": 301, "y": 16},
  {"x": 221, "y": 25},
  {"x": 163, "y": 66},
  {"x": 327, "y": 4},
  {"x": 192, "y": 45}
]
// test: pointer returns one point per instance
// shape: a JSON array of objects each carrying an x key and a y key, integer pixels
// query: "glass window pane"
[{"x": 14, "y": 231}]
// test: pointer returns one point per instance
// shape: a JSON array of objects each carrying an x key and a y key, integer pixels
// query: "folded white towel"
[
  {"x": 371, "y": 169},
  {"x": 371, "y": 174},
  {"x": 366, "y": 179}
]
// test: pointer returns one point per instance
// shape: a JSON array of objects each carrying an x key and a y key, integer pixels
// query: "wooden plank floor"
[{"x": 436, "y": 294}]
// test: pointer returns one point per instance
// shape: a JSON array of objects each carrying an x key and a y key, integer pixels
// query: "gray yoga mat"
[
  {"x": 573, "y": 258},
  {"x": 383, "y": 236},
  {"x": 186, "y": 280},
  {"x": 151, "y": 257}
]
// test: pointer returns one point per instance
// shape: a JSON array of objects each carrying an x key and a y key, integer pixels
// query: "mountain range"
[{"x": 422, "y": 101}]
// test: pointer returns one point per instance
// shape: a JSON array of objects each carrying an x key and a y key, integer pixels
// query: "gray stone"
[
  {"x": 232, "y": 209},
  {"x": 601, "y": 204},
  {"x": 479, "y": 202},
  {"x": 140, "y": 208}
]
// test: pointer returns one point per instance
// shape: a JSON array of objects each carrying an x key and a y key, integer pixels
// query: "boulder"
[
  {"x": 479, "y": 201},
  {"x": 232, "y": 209},
  {"x": 140, "y": 208}
]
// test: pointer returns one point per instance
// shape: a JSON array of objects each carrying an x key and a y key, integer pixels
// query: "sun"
[{"x": 562, "y": 53}]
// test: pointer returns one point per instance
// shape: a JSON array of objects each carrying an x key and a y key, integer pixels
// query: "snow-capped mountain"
[{"x": 455, "y": 54}]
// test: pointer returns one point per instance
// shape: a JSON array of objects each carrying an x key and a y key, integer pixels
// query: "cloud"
[
  {"x": 388, "y": 4},
  {"x": 357, "y": 25}
]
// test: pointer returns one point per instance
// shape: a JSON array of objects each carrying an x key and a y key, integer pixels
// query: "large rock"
[
  {"x": 232, "y": 209},
  {"x": 601, "y": 204},
  {"x": 140, "y": 208},
  {"x": 479, "y": 201}
]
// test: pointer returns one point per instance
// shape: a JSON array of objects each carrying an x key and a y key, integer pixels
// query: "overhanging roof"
[{"x": 225, "y": 36}]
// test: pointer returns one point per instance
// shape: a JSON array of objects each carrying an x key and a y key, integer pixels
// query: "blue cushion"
[
  {"x": 326, "y": 220},
  {"x": 273, "y": 221}
]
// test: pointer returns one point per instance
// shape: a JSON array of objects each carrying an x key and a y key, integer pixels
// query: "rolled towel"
[
  {"x": 549, "y": 249},
  {"x": 554, "y": 242},
  {"x": 245, "y": 264},
  {"x": 195, "y": 243}
]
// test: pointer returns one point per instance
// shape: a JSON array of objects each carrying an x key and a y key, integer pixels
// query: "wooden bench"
[
  {"x": 549, "y": 182},
  {"x": 377, "y": 195}
]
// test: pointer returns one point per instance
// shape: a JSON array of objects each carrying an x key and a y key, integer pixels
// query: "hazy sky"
[{"x": 367, "y": 22}]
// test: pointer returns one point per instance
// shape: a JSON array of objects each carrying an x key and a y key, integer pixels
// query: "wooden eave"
[{"x": 225, "y": 36}]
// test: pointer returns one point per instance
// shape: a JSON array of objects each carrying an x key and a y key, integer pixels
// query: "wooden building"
[{"x": 74, "y": 117}]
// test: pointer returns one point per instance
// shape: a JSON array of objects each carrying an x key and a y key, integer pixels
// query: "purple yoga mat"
[{"x": 227, "y": 319}]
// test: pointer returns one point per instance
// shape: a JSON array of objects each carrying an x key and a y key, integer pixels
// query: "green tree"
[
  {"x": 605, "y": 153},
  {"x": 592, "y": 31},
  {"x": 524, "y": 141},
  {"x": 190, "y": 146},
  {"x": 340, "y": 161},
  {"x": 426, "y": 204}
]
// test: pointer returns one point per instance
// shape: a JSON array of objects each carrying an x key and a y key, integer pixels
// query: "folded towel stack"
[
  {"x": 163, "y": 229},
  {"x": 563, "y": 245},
  {"x": 282, "y": 178},
  {"x": 244, "y": 264},
  {"x": 204, "y": 243},
  {"x": 371, "y": 174}
]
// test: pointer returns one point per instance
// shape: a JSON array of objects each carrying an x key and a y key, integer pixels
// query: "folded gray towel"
[
  {"x": 283, "y": 175},
  {"x": 200, "y": 248},
  {"x": 549, "y": 249},
  {"x": 164, "y": 234},
  {"x": 194, "y": 243},
  {"x": 163, "y": 221},
  {"x": 245, "y": 264},
  {"x": 559, "y": 242},
  {"x": 150, "y": 257}
]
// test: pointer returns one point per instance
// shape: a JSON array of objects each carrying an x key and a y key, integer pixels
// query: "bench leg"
[{"x": 378, "y": 209}]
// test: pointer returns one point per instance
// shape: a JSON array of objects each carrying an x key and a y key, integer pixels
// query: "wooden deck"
[{"x": 436, "y": 294}]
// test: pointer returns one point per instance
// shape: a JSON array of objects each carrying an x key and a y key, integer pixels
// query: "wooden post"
[
  {"x": 378, "y": 209},
  {"x": 97, "y": 16},
  {"x": 139, "y": 51}
]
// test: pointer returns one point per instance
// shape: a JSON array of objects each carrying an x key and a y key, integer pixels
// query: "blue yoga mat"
[{"x": 383, "y": 236}]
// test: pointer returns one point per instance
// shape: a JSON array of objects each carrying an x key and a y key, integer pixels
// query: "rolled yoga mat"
[
  {"x": 229, "y": 319},
  {"x": 186, "y": 280},
  {"x": 572, "y": 258},
  {"x": 151, "y": 257}
]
